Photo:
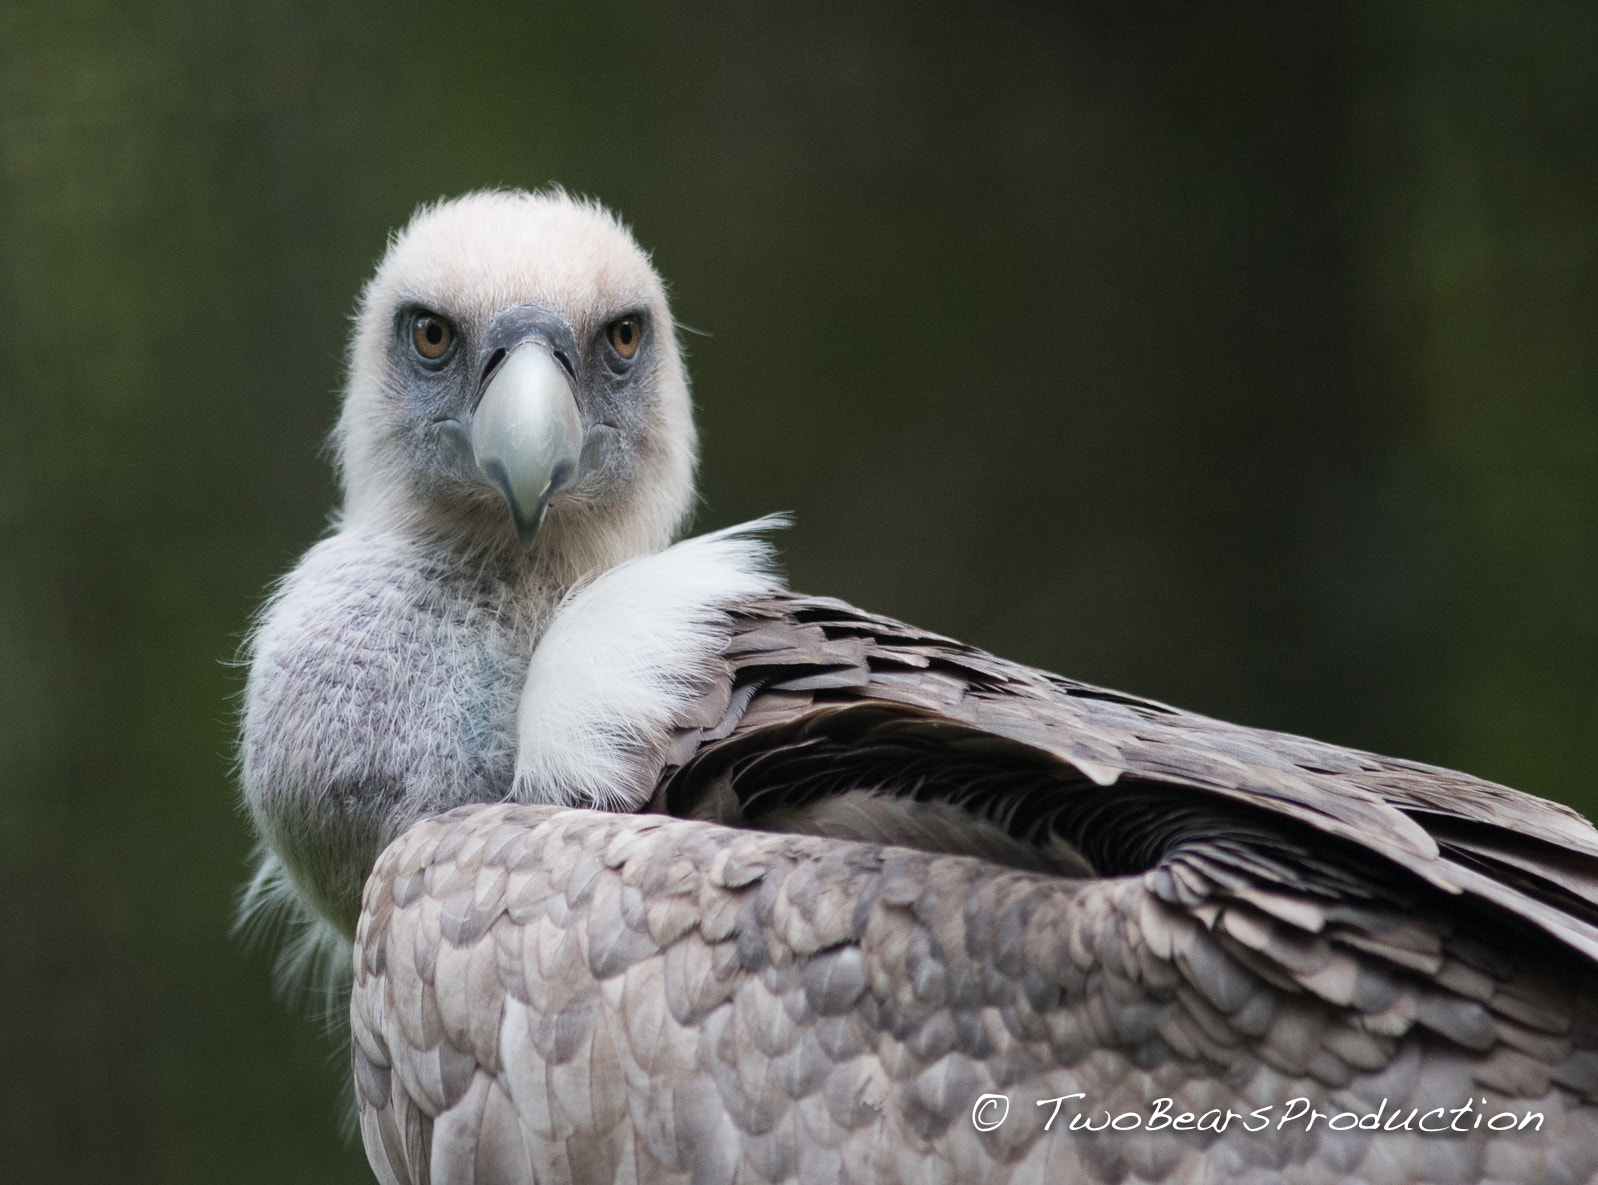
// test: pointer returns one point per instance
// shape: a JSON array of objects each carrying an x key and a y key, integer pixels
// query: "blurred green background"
[{"x": 1242, "y": 356}]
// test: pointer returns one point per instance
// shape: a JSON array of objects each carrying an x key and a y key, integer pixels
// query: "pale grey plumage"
[
  {"x": 901, "y": 872},
  {"x": 637, "y": 998}
]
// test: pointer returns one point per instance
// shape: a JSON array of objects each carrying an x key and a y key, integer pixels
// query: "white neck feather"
[{"x": 623, "y": 658}]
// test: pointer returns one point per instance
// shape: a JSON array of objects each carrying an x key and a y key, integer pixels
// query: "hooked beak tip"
[
  {"x": 527, "y": 528},
  {"x": 527, "y": 520}
]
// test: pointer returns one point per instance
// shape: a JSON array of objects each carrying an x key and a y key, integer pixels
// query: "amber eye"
[
  {"x": 432, "y": 335},
  {"x": 625, "y": 336}
]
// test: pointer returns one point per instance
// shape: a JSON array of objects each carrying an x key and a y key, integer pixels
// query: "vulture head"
[{"x": 515, "y": 386}]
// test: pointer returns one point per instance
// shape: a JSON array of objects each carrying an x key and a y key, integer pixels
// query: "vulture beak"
[{"x": 526, "y": 435}]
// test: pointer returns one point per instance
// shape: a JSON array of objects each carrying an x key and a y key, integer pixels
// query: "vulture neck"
[
  {"x": 574, "y": 546},
  {"x": 477, "y": 582}
]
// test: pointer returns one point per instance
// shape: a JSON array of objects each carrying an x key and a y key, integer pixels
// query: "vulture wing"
[
  {"x": 823, "y": 698},
  {"x": 903, "y": 875}
]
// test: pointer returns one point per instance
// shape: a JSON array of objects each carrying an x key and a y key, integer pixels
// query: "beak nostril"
[
  {"x": 566, "y": 364},
  {"x": 492, "y": 365}
]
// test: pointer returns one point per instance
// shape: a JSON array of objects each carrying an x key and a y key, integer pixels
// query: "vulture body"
[{"x": 657, "y": 872}]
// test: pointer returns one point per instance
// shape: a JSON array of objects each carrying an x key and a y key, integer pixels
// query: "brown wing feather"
[{"x": 827, "y": 698}]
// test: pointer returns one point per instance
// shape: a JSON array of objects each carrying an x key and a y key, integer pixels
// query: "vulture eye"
[
  {"x": 432, "y": 336},
  {"x": 625, "y": 336}
]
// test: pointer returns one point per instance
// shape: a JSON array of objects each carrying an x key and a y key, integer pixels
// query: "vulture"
[{"x": 642, "y": 868}]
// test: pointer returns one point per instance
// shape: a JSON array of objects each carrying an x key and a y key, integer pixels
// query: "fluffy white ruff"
[{"x": 624, "y": 658}]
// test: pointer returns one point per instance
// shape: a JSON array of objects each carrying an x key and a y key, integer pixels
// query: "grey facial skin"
[{"x": 541, "y": 416}]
